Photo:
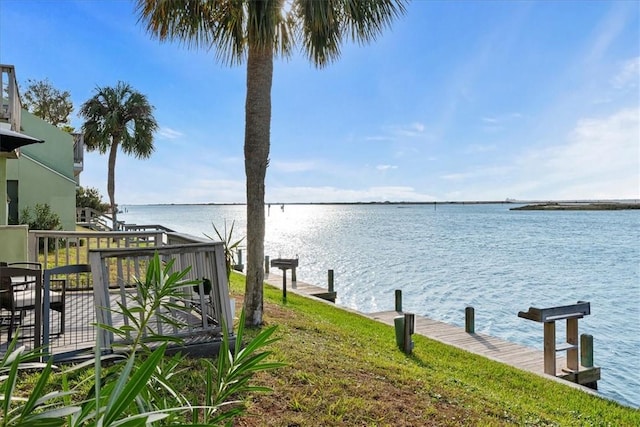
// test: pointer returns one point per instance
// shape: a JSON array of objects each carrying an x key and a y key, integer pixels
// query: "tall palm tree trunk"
[
  {"x": 256, "y": 154},
  {"x": 111, "y": 182}
]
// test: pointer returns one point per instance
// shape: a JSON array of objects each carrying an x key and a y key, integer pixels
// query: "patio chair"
[
  {"x": 18, "y": 294},
  {"x": 55, "y": 299}
]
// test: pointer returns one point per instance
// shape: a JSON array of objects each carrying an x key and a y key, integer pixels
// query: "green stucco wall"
[
  {"x": 14, "y": 243},
  {"x": 45, "y": 171}
]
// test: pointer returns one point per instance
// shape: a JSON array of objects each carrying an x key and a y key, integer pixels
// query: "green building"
[{"x": 44, "y": 173}]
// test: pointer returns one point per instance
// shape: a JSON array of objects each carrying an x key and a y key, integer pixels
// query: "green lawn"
[{"x": 345, "y": 369}]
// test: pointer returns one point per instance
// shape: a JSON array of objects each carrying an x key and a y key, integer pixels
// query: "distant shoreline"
[
  {"x": 564, "y": 206},
  {"x": 528, "y": 204}
]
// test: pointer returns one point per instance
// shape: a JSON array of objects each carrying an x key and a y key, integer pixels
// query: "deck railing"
[
  {"x": 58, "y": 248},
  {"x": 118, "y": 260},
  {"x": 202, "y": 311}
]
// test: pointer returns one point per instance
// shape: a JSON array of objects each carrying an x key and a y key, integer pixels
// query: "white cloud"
[
  {"x": 386, "y": 167},
  {"x": 599, "y": 159},
  {"x": 168, "y": 133},
  {"x": 413, "y": 130},
  {"x": 499, "y": 122},
  {"x": 629, "y": 75}
]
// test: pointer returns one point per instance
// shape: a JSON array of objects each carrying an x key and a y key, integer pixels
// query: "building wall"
[
  {"x": 14, "y": 243},
  {"x": 45, "y": 171}
]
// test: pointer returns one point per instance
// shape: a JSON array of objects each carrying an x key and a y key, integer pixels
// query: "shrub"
[
  {"x": 90, "y": 198},
  {"x": 139, "y": 388},
  {"x": 41, "y": 217}
]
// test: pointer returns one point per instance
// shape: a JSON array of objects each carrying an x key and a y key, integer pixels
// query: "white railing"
[{"x": 11, "y": 107}]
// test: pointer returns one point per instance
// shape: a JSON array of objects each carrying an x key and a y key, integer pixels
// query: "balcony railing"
[
  {"x": 78, "y": 153},
  {"x": 11, "y": 108}
]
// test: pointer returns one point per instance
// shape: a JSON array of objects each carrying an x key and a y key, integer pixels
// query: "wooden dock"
[
  {"x": 516, "y": 355},
  {"x": 274, "y": 278}
]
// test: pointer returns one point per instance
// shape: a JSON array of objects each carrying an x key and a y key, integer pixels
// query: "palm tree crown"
[
  {"x": 256, "y": 31},
  {"x": 118, "y": 117}
]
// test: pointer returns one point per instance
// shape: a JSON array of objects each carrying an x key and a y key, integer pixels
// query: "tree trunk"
[
  {"x": 256, "y": 157},
  {"x": 111, "y": 181}
]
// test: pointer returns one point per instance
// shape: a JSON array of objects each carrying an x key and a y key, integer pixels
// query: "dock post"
[
  {"x": 586, "y": 350},
  {"x": 549, "y": 337},
  {"x": 572, "y": 339},
  {"x": 294, "y": 278},
  {"x": 409, "y": 326},
  {"x": 398, "y": 323},
  {"x": 398, "y": 300},
  {"x": 330, "y": 280},
  {"x": 266, "y": 264},
  {"x": 239, "y": 265},
  {"x": 469, "y": 320},
  {"x": 284, "y": 285}
]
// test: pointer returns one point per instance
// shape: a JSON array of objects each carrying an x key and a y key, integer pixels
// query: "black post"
[
  {"x": 284, "y": 285},
  {"x": 409, "y": 323},
  {"x": 469, "y": 320},
  {"x": 399, "y": 300}
]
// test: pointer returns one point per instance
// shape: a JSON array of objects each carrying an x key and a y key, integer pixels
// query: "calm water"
[{"x": 445, "y": 258}]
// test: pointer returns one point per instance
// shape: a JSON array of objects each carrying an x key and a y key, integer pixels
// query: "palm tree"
[
  {"x": 118, "y": 117},
  {"x": 258, "y": 31}
]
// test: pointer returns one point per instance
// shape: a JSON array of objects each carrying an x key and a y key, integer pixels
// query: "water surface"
[{"x": 445, "y": 257}]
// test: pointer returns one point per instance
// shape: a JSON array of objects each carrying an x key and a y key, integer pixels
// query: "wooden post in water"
[
  {"x": 586, "y": 350},
  {"x": 398, "y": 300},
  {"x": 266, "y": 264},
  {"x": 330, "y": 280},
  {"x": 469, "y": 320}
]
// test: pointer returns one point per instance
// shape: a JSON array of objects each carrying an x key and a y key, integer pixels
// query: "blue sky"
[{"x": 460, "y": 100}]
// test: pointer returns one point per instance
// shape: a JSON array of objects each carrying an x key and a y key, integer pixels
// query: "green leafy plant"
[
  {"x": 139, "y": 388},
  {"x": 230, "y": 247},
  {"x": 40, "y": 217},
  {"x": 19, "y": 411}
]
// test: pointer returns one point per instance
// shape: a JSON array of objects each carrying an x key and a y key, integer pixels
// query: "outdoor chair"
[
  {"x": 54, "y": 299},
  {"x": 18, "y": 292}
]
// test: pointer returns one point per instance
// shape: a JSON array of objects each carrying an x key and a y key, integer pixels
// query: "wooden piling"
[
  {"x": 398, "y": 300},
  {"x": 549, "y": 336},
  {"x": 572, "y": 344},
  {"x": 469, "y": 320},
  {"x": 266, "y": 264},
  {"x": 586, "y": 350},
  {"x": 409, "y": 327},
  {"x": 330, "y": 280}
]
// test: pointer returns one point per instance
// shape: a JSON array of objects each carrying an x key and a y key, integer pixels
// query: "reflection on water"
[{"x": 450, "y": 256}]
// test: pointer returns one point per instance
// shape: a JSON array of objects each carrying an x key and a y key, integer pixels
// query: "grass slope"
[{"x": 345, "y": 369}]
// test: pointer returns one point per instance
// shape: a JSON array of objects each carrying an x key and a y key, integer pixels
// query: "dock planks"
[
  {"x": 516, "y": 355},
  {"x": 302, "y": 288}
]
